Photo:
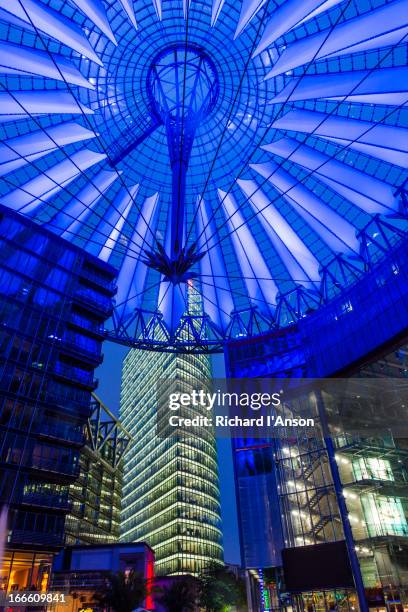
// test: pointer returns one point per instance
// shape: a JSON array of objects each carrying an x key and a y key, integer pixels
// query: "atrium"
[
  {"x": 212, "y": 190},
  {"x": 255, "y": 150}
]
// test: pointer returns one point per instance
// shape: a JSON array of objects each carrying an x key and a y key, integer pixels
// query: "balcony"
[
  {"x": 71, "y": 581},
  {"x": 71, "y": 346},
  {"x": 90, "y": 326},
  {"x": 75, "y": 375},
  {"x": 93, "y": 302},
  {"x": 98, "y": 280},
  {"x": 380, "y": 530},
  {"x": 76, "y": 400},
  {"x": 373, "y": 446},
  {"x": 46, "y": 540},
  {"x": 54, "y": 501},
  {"x": 64, "y": 468},
  {"x": 60, "y": 432}
]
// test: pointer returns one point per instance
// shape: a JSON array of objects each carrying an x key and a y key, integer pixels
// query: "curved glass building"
[
  {"x": 171, "y": 497},
  {"x": 171, "y": 493}
]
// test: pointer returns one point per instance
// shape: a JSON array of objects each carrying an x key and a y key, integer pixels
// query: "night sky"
[{"x": 109, "y": 375}]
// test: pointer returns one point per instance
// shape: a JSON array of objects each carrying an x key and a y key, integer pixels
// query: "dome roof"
[{"x": 238, "y": 162}]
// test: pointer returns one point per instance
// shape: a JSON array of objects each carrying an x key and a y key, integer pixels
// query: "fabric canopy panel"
[{"x": 224, "y": 156}]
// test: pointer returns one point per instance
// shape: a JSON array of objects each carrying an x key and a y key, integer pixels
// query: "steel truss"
[
  {"x": 106, "y": 435},
  {"x": 198, "y": 334}
]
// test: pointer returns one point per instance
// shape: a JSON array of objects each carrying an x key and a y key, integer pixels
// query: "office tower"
[
  {"x": 289, "y": 503},
  {"x": 171, "y": 495},
  {"x": 95, "y": 497},
  {"x": 54, "y": 299},
  {"x": 289, "y": 498}
]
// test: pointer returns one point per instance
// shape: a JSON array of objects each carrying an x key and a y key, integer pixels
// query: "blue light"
[
  {"x": 183, "y": 81},
  {"x": 284, "y": 119}
]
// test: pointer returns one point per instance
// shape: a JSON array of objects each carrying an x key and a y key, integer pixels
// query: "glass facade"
[
  {"x": 288, "y": 499},
  {"x": 171, "y": 494},
  {"x": 96, "y": 495},
  {"x": 374, "y": 473},
  {"x": 54, "y": 299},
  {"x": 22, "y": 568}
]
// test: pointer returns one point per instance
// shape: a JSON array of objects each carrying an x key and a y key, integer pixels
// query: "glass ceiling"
[{"x": 252, "y": 198}]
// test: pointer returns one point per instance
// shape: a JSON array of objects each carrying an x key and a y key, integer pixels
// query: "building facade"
[
  {"x": 82, "y": 573},
  {"x": 95, "y": 496},
  {"x": 54, "y": 299},
  {"x": 305, "y": 502},
  {"x": 171, "y": 493}
]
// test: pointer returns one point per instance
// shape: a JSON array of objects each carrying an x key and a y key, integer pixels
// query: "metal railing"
[
  {"x": 98, "y": 279},
  {"x": 90, "y": 298},
  {"x": 48, "y": 465},
  {"x": 63, "y": 432},
  {"x": 84, "y": 323},
  {"x": 21, "y": 536},
  {"x": 46, "y": 500},
  {"x": 75, "y": 374}
]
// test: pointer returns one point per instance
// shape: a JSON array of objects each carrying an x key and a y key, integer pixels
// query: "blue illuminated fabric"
[{"x": 297, "y": 169}]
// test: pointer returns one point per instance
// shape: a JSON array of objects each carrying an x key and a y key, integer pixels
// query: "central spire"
[{"x": 183, "y": 88}]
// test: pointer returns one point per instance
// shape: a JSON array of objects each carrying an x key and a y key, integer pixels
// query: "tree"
[
  {"x": 124, "y": 592},
  {"x": 180, "y": 596},
  {"x": 221, "y": 589}
]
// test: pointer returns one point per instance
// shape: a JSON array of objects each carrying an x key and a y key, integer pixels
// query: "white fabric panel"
[
  {"x": 158, "y": 8},
  {"x": 33, "y": 14},
  {"x": 132, "y": 276},
  {"x": 386, "y": 142},
  {"x": 248, "y": 11},
  {"x": 251, "y": 261},
  {"x": 95, "y": 11},
  {"x": 115, "y": 220},
  {"x": 301, "y": 264},
  {"x": 382, "y": 86},
  {"x": 218, "y": 302},
  {"x": 129, "y": 10},
  {"x": 32, "y": 194},
  {"x": 69, "y": 220},
  {"x": 186, "y": 7},
  {"x": 288, "y": 15},
  {"x": 335, "y": 231},
  {"x": 20, "y": 150},
  {"x": 216, "y": 10},
  {"x": 368, "y": 193},
  {"x": 15, "y": 59},
  {"x": 21, "y": 104},
  {"x": 384, "y": 26}
]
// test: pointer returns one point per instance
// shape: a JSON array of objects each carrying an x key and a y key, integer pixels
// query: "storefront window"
[{"x": 25, "y": 571}]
